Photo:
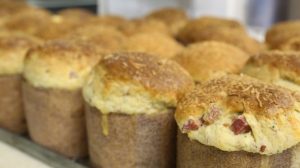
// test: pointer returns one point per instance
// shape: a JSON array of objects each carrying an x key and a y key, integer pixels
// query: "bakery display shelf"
[{"x": 40, "y": 153}]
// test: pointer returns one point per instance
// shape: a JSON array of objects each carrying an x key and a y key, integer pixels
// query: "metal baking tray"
[{"x": 50, "y": 158}]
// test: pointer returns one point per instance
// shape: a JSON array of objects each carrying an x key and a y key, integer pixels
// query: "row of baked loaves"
[{"x": 163, "y": 90}]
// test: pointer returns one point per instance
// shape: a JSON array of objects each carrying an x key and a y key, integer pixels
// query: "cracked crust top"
[{"x": 124, "y": 77}]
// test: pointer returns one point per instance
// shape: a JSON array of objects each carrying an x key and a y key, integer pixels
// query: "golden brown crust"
[
  {"x": 168, "y": 15},
  {"x": 144, "y": 26},
  {"x": 287, "y": 63},
  {"x": 238, "y": 93},
  {"x": 248, "y": 114},
  {"x": 232, "y": 35},
  {"x": 17, "y": 40},
  {"x": 107, "y": 37},
  {"x": 78, "y": 14},
  {"x": 61, "y": 63},
  {"x": 57, "y": 27},
  {"x": 174, "y": 17},
  {"x": 153, "y": 43},
  {"x": 28, "y": 21},
  {"x": 203, "y": 60},
  {"x": 13, "y": 48},
  {"x": 158, "y": 75},
  {"x": 197, "y": 27},
  {"x": 293, "y": 44},
  {"x": 282, "y": 32},
  {"x": 107, "y": 20}
]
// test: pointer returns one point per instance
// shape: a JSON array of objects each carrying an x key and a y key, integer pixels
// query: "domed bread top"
[
  {"x": 28, "y": 21},
  {"x": 194, "y": 28},
  {"x": 144, "y": 26},
  {"x": 13, "y": 48},
  {"x": 173, "y": 17},
  {"x": 153, "y": 43},
  {"x": 239, "y": 113},
  {"x": 57, "y": 27},
  {"x": 278, "y": 67},
  {"x": 206, "y": 59},
  {"x": 281, "y": 32},
  {"x": 106, "y": 37},
  {"x": 76, "y": 14},
  {"x": 133, "y": 83},
  {"x": 293, "y": 44},
  {"x": 61, "y": 64},
  {"x": 233, "y": 36}
]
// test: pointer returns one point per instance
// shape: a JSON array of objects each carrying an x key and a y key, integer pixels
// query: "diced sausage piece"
[
  {"x": 240, "y": 125},
  {"x": 191, "y": 125},
  {"x": 262, "y": 148}
]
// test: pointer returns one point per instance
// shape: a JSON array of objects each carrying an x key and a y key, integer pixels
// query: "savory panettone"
[
  {"x": 175, "y": 18},
  {"x": 54, "y": 74},
  {"x": 206, "y": 59},
  {"x": 136, "y": 91},
  {"x": 153, "y": 43},
  {"x": 239, "y": 121},
  {"x": 280, "y": 33},
  {"x": 277, "y": 67},
  {"x": 13, "y": 49},
  {"x": 106, "y": 37}
]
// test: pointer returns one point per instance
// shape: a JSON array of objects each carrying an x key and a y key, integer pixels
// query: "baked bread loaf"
[
  {"x": 144, "y": 26},
  {"x": 278, "y": 67},
  {"x": 175, "y": 18},
  {"x": 9, "y": 8},
  {"x": 77, "y": 14},
  {"x": 13, "y": 48},
  {"x": 280, "y": 33},
  {"x": 130, "y": 99},
  {"x": 28, "y": 21},
  {"x": 238, "y": 121},
  {"x": 54, "y": 74},
  {"x": 207, "y": 59},
  {"x": 153, "y": 43},
  {"x": 210, "y": 28},
  {"x": 293, "y": 44},
  {"x": 57, "y": 27},
  {"x": 106, "y": 37}
]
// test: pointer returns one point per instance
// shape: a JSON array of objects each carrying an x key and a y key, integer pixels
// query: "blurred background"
[{"x": 256, "y": 14}]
